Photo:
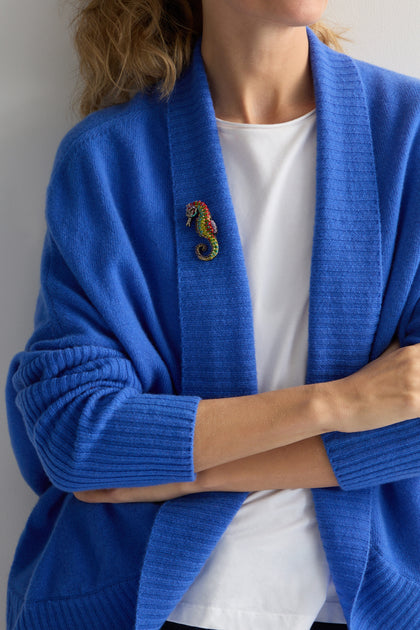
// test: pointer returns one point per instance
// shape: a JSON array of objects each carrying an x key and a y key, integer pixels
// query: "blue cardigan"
[{"x": 132, "y": 330}]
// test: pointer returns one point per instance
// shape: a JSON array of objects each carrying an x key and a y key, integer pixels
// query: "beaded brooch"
[{"x": 205, "y": 227}]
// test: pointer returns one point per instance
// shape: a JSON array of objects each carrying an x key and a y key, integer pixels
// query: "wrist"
[
  {"x": 319, "y": 409},
  {"x": 336, "y": 405}
]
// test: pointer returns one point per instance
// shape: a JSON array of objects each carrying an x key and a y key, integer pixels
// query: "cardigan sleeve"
[
  {"x": 392, "y": 453},
  {"x": 386, "y": 455},
  {"x": 81, "y": 414}
]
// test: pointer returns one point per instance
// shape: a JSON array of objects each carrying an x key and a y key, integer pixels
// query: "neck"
[{"x": 258, "y": 71}]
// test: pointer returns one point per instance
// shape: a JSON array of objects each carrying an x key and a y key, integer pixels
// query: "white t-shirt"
[{"x": 269, "y": 570}]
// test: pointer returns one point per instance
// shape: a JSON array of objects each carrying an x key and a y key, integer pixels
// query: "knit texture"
[{"x": 131, "y": 330}]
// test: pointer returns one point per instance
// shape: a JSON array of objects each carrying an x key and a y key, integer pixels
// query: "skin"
[
  {"x": 257, "y": 61},
  {"x": 383, "y": 392}
]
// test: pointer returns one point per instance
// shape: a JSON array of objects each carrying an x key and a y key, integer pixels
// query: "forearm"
[
  {"x": 272, "y": 440},
  {"x": 301, "y": 465},
  {"x": 230, "y": 429},
  {"x": 383, "y": 392}
]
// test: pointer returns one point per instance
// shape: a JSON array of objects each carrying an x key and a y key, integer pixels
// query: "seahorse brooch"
[{"x": 205, "y": 227}]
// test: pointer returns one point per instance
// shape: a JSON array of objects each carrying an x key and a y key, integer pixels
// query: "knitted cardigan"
[{"x": 132, "y": 330}]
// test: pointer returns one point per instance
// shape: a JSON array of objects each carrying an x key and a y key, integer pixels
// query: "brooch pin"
[{"x": 205, "y": 227}]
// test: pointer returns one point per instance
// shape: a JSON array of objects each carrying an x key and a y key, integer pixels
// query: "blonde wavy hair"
[{"x": 127, "y": 46}]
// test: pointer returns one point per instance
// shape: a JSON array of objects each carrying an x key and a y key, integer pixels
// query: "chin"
[
  {"x": 302, "y": 12},
  {"x": 286, "y": 12}
]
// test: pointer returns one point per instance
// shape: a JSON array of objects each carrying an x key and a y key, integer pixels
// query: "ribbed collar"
[{"x": 216, "y": 313}]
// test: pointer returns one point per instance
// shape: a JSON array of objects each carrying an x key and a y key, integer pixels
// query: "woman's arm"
[
  {"x": 231, "y": 429},
  {"x": 383, "y": 392},
  {"x": 301, "y": 465},
  {"x": 272, "y": 440}
]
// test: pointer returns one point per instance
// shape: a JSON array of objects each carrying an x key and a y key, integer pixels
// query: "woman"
[{"x": 189, "y": 398}]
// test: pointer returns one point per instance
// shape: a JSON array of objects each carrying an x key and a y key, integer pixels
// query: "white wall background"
[{"x": 37, "y": 72}]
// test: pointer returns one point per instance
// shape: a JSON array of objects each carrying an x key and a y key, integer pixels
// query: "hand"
[
  {"x": 383, "y": 392},
  {"x": 147, "y": 494}
]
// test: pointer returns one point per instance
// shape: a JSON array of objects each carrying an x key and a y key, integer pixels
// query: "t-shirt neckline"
[{"x": 239, "y": 125}]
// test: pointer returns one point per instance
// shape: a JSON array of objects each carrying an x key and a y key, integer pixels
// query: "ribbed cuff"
[
  {"x": 371, "y": 458},
  {"x": 92, "y": 426},
  {"x": 147, "y": 441}
]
